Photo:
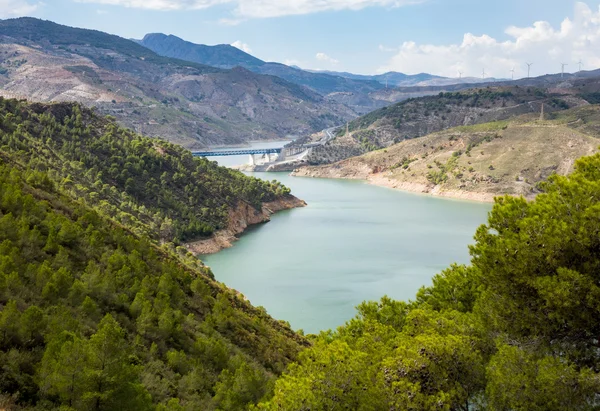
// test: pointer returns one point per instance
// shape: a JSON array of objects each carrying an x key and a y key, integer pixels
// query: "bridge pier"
[{"x": 251, "y": 160}]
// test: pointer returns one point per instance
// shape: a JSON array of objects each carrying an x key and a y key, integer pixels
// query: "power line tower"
[{"x": 529, "y": 69}]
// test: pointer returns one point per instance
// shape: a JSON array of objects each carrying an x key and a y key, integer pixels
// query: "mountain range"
[
  {"x": 227, "y": 57},
  {"x": 322, "y": 81},
  {"x": 197, "y": 95},
  {"x": 188, "y": 103}
]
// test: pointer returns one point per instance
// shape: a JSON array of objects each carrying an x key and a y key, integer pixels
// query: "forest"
[
  {"x": 156, "y": 188},
  {"x": 101, "y": 311},
  {"x": 94, "y": 317}
]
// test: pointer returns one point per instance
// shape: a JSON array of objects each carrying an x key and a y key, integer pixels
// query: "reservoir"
[{"x": 354, "y": 242}]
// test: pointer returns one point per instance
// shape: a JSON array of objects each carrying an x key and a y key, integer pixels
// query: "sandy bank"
[{"x": 364, "y": 172}]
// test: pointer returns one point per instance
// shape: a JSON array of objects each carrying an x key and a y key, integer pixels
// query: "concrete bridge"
[
  {"x": 237, "y": 152},
  {"x": 258, "y": 154},
  {"x": 269, "y": 154}
]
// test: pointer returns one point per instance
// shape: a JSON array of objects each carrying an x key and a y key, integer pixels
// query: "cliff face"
[{"x": 240, "y": 218}]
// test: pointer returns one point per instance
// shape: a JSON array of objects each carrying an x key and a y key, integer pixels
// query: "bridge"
[
  {"x": 239, "y": 152},
  {"x": 270, "y": 154}
]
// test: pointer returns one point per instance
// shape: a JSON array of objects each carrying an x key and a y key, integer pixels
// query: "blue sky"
[{"x": 361, "y": 36}]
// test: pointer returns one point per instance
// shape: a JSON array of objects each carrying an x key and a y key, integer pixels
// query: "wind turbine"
[
  {"x": 580, "y": 64},
  {"x": 562, "y": 72},
  {"x": 512, "y": 73},
  {"x": 529, "y": 69},
  {"x": 483, "y": 77},
  {"x": 460, "y": 73}
]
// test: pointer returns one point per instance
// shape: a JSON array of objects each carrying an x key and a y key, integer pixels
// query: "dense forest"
[
  {"x": 517, "y": 329},
  {"x": 97, "y": 314},
  {"x": 93, "y": 317},
  {"x": 156, "y": 188}
]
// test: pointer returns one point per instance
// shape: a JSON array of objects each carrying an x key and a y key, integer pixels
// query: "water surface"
[{"x": 354, "y": 242}]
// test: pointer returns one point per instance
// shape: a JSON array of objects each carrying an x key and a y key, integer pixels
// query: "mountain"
[
  {"x": 395, "y": 79},
  {"x": 96, "y": 311},
  {"x": 416, "y": 117},
  {"x": 188, "y": 103},
  {"x": 225, "y": 56},
  {"x": 392, "y": 78}
]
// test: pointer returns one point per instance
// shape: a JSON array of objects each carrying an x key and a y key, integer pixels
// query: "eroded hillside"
[
  {"x": 188, "y": 103},
  {"x": 479, "y": 161}
]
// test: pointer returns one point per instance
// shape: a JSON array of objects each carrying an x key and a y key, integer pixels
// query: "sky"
[{"x": 442, "y": 37}]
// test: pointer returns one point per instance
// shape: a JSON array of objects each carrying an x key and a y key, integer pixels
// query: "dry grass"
[{"x": 504, "y": 157}]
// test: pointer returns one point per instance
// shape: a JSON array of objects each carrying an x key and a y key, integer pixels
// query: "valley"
[{"x": 190, "y": 227}]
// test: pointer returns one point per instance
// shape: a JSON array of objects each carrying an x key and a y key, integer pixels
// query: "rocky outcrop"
[{"x": 240, "y": 218}]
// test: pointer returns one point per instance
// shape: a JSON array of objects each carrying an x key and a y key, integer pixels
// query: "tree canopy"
[{"x": 515, "y": 330}]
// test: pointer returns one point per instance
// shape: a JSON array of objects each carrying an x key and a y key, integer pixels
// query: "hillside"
[
  {"x": 226, "y": 56},
  {"x": 479, "y": 161},
  {"x": 94, "y": 314},
  {"x": 155, "y": 188},
  {"x": 417, "y": 117},
  {"x": 188, "y": 103}
]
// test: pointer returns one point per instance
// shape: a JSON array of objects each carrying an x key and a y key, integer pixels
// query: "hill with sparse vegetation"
[
  {"x": 417, "y": 117},
  {"x": 479, "y": 161}
]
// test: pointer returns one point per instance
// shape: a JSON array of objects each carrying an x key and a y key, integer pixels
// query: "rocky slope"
[
  {"x": 421, "y": 116},
  {"x": 240, "y": 219},
  {"x": 481, "y": 161},
  {"x": 188, "y": 103},
  {"x": 226, "y": 56}
]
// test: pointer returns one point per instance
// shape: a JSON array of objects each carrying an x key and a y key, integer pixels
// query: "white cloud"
[
  {"x": 242, "y": 46},
  {"x": 164, "y": 5},
  {"x": 277, "y": 8},
  {"x": 13, "y": 8},
  {"x": 545, "y": 46},
  {"x": 324, "y": 57},
  {"x": 244, "y": 9},
  {"x": 387, "y": 49}
]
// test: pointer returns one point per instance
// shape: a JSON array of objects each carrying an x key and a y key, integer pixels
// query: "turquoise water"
[{"x": 354, "y": 242}]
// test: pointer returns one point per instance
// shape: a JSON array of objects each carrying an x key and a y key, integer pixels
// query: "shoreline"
[
  {"x": 435, "y": 191},
  {"x": 379, "y": 180},
  {"x": 240, "y": 219}
]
